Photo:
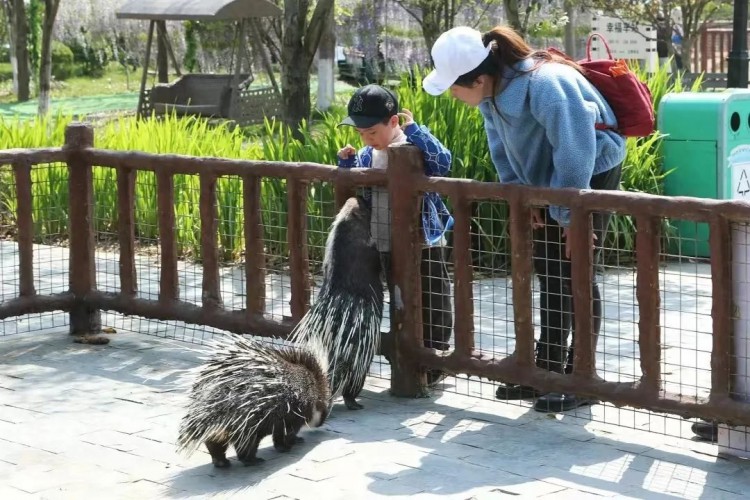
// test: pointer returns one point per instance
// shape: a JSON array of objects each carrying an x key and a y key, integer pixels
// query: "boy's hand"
[
  {"x": 347, "y": 152},
  {"x": 408, "y": 118}
]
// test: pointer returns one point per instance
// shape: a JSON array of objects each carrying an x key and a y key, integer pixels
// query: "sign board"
[
  {"x": 739, "y": 165},
  {"x": 626, "y": 40}
]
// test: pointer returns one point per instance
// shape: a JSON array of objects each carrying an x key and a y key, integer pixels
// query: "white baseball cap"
[{"x": 455, "y": 53}]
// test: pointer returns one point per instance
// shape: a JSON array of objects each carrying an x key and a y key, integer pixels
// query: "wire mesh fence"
[
  {"x": 275, "y": 208},
  {"x": 230, "y": 222},
  {"x": 147, "y": 262},
  {"x": 9, "y": 281},
  {"x": 493, "y": 290},
  {"x": 685, "y": 284},
  {"x": 105, "y": 229},
  {"x": 320, "y": 210},
  {"x": 685, "y": 280},
  {"x": 50, "y": 257},
  {"x": 50, "y": 216}
]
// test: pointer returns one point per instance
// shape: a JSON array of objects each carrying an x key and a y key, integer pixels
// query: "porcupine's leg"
[
  {"x": 246, "y": 455},
  {"x": 351, "y": 391},
  {"x": 284, "y": 436},
  {"x": 218, "y": 451}
]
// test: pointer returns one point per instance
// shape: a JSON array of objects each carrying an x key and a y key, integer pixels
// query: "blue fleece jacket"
[{"x": 545, "y": 133}]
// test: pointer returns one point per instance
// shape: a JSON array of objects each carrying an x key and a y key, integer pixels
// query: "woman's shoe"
[
  {"x": 556, "y": 403},
  {"x": 512, "y": 392},
  {"x": 707, "y": 431}
]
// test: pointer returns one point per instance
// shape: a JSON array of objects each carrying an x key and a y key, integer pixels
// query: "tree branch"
[
  {"x": 481, "y": 16},
  {"x": 267, "y": 33},
  {"x": 530, "y": 8},
  {"x": 316, "y": 28},
  {"x": 401, "y": 4}
]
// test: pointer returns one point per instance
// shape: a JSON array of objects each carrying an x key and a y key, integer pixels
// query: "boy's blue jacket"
[{"x": 436, "y": 219}]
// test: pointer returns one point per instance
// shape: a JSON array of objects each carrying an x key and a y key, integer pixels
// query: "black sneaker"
[
  {"x": 556, "y": 403},
  {"x": 512, "y": 392},
  {"x": 707, "y": 431}
]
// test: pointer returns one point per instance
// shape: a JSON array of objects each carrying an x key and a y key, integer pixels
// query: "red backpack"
[{"x": 628, "y": 97}]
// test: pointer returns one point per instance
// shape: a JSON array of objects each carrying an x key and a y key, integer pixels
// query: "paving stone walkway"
[{"x": 82, "y": 421}]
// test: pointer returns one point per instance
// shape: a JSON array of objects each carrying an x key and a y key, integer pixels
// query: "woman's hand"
[
  {"x": 567, "y": 242},
  {"x": 537, "y": 219}
]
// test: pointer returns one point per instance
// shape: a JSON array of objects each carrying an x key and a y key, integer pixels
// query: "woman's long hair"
[{"x": 508, "y": 48}]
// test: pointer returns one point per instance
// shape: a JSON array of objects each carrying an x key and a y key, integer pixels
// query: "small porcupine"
[
  {"x": 248, "y": 390},
  {"x": 347, "y": 313}
]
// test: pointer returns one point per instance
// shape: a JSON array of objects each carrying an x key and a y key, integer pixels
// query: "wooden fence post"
[
  {"x": 83, "y": 319},
  {"x": 22, "y": 171},
  {"x": 404, "y": 165}
]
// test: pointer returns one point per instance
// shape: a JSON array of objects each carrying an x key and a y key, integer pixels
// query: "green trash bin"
[{"x": 703, "y": 129}]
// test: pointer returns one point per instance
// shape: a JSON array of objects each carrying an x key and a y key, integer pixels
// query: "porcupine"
[
  {"x": 248, "y": 390},
  {"x": 346, "y": 315}
]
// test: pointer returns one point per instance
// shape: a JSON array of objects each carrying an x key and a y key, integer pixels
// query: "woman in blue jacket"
[{"x": 540, "y": 114}]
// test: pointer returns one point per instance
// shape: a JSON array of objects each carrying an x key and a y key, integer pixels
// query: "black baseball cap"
[{"x": 370, "y": 105}]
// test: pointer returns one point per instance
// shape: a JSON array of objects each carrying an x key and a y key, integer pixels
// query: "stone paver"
[{"x": 100, "y": 422}]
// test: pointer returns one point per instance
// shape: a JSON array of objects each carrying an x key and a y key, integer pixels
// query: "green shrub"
[
  {"x": 6, "y": 72},
  {"x": 91, "y": 57},
  {"x": 62, "y": 61},
  {"x": 190, "y": 60}
]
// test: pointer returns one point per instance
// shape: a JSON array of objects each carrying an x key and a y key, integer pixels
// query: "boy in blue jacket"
[{"x": 373, "y": 110}]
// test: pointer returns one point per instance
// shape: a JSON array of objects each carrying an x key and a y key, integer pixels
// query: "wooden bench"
[
  {"x": 257, "y": 104},
  {"x": 351, "y": 74},
  {"x": 368, "y": 73},
  {"x": 195, "y": 94}
]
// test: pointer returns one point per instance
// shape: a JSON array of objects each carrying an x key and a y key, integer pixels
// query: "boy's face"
[{"x": 379, "y": 136}]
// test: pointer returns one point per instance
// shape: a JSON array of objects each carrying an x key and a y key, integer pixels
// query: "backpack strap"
[
  {"x": 604, "y": 41},
  {"x": 552, "y": 50}
]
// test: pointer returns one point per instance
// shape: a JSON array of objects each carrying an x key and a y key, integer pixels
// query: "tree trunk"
[
  {"x": 300, "y": 41},
  {"x": 295, "y": 85},
  {"x": 326, "y": 65},
  {"x": 687, "y": 51},
  {"x": 22, "y": 51},
  {"x": 570, "y": 30},
  {"x": 431, "y": 28},
  {"x": 295, "y": 80},
  {"x": 511, "y": 15},
  {"x": 34, "y": 17},
  {"x": 45, "y": 68},
  {"x": 7, "y": 6},
  {"x": 162, "y": 63}
]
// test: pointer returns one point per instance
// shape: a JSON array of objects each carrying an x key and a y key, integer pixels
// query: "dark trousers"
[
  {"x": 553, "y": 270},
  {"x": 437, "y": 315}
]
